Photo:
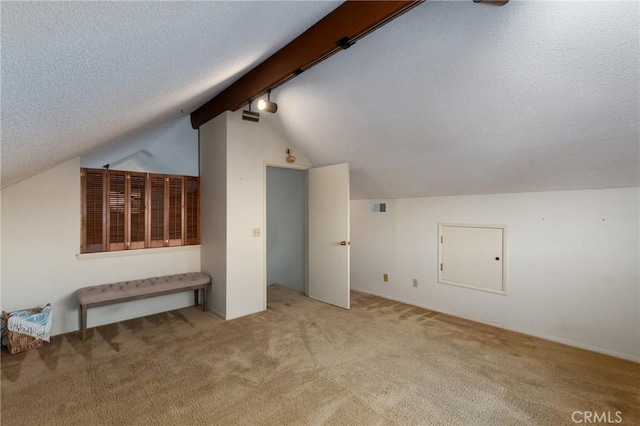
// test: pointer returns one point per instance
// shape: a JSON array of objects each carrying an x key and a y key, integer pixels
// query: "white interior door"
[{"x": 329, "y": 235}]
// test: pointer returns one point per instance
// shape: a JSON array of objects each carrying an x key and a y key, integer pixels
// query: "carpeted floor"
[{"x": 304, "y": 362}]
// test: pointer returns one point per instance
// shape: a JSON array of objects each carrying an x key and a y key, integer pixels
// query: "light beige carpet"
[{"x": 304, "y": 362}]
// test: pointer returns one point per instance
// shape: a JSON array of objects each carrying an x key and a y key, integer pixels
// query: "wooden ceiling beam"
[{"x": 338, "y": 30}]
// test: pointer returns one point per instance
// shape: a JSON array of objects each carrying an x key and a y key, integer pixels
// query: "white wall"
[
  {"x": 249, "y": 148},
  {"x": 213, "y": 209},
  {"x": 286, "y": 230},
  {"x": 170, "y": 148},
  {"x": 572, "y": 262},
  {"x": 40, "y": 244}
]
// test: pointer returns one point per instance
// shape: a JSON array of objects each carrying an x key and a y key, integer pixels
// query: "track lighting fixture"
[
  {"x": 267, "y": 105},
  {"x": 249, "y": 115}
]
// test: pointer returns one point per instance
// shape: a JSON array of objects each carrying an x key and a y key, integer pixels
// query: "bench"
[{"x": 107, "y": 294}]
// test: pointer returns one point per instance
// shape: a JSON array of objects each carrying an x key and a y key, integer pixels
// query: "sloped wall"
[{"x": 170, "y": 148}]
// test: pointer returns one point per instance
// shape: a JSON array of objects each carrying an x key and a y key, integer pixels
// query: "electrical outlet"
[
  {"x": 256, "y": 232},
  {"x": 385, "y": 278},
  {"x": 415, "y": 282}
]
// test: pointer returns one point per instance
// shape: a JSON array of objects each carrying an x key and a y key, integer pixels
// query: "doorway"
[{"x": 286, "y": 227}]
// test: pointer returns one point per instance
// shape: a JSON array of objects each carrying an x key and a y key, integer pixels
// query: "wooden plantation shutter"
[
  {"x": 192, "y": 209},
  {"x": 137, "y": 210},
  {"x": 118, "y": 192},
  {"x": 175, "y": 205},
  {"x": 157, "y": 211},
  {"x": 128, "y": 210},
  {"x": 93, "y": 186}
]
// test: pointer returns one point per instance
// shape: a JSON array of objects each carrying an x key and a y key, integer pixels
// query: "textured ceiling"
[
  {"x": 464, "y": 98},
  {"x": 76, "y": 75},
  {"x": 451, "y": 98}
]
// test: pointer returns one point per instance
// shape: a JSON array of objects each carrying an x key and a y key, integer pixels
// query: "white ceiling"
[
  {"x": 451, "y": 98},
  {"x": 76, "y": 75}
]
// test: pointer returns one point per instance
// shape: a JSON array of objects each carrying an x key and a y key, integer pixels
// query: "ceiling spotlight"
[
  {"x": 267, "y": 105},
  {"x": 250, "y": 115}
]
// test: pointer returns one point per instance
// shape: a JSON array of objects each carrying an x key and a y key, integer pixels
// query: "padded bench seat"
[{"x": 107, "y": 294}]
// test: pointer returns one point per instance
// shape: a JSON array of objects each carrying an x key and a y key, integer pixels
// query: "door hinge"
[
  {"x": 441, "y": 268},
  {"x": 441, "y": 239}
]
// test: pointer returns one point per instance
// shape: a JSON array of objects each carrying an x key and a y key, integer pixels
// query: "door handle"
[{"x": 344, "y": 243}]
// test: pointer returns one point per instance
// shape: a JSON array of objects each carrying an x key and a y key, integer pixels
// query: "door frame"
[{"x": 264, "y": 224}]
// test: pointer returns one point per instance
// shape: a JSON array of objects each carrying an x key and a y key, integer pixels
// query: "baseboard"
[{"x": 517, "y": 330}]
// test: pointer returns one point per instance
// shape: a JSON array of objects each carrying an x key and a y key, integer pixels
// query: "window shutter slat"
[
  {"x": 157, "y": 211},
  {"x": 116, "y": 210},
  {"x": 192, "y": 210},
  {"x": 93, "y": 214},
  {"x": 137, "y": 194},
  {"x": 175, "y": 210}
]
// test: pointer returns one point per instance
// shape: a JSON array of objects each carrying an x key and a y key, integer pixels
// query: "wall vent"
[{"x": 379, "y": 207}]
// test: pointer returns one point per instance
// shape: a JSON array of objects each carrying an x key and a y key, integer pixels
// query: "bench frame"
[{"x": 195, "y": 288}]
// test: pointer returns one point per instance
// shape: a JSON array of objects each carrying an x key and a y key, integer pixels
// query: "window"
[{"x": 130, "y": 210}]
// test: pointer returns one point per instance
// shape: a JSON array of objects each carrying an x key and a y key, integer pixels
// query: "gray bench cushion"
[{"x": 126, "y": 289}]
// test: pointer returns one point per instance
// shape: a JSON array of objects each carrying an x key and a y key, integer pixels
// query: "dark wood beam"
[{"x": 348, "y": 23}]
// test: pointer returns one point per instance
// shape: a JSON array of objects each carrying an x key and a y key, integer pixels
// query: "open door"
[{"x": 329, "y": 235}]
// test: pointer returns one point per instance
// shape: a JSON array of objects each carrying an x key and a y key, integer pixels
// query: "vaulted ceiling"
[{"x": 450, "y": 98}]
